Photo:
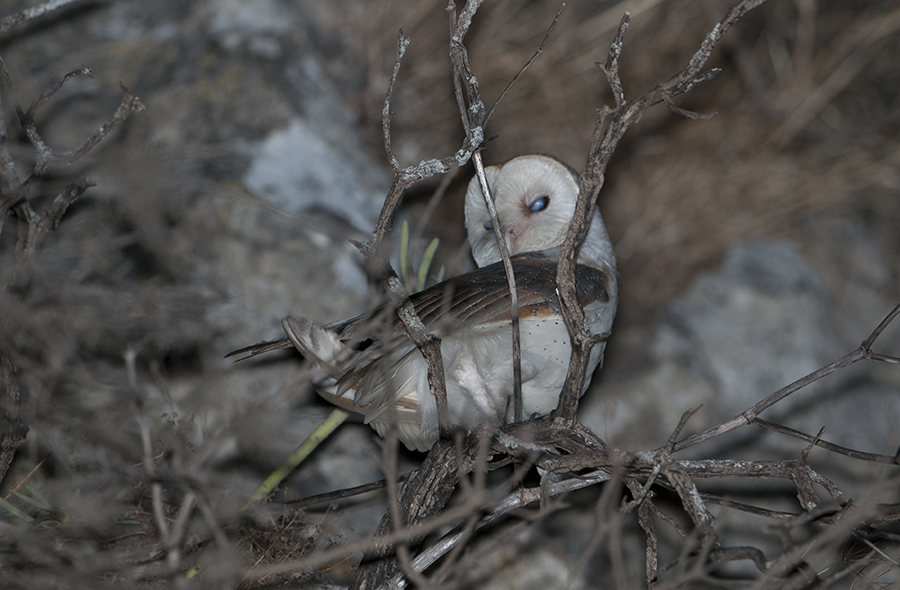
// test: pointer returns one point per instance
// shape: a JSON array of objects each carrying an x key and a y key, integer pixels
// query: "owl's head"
[{"x": 535, "y": 198}]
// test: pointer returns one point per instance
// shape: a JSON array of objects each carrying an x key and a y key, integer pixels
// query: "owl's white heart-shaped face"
[{"x": 535, "y": 198}]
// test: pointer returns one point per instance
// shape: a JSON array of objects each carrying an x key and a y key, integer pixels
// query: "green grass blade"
[
  {"x": 404, "y": 253},
  {"x": 426, "y": 263},
  {"x": 14, "y": 511},
  {"x": 336, "y": 418},
  {"x": 45, "y": 504},
  {"x": 36, "y": 503}
]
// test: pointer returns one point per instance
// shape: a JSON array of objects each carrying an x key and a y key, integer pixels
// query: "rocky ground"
[{"x": 753, "y": 247}]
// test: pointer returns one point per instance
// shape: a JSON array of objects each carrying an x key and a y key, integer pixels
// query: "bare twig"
[
  {"x": 874, "y": 457},
  {"x": 427, "y": 343},
  {"x": 340, "y": 494},
  {"x": 13, "y": 193},
  {"x": 518, "y": 410},
  {"x": 864, "y": 352},
  {"x": 40, "y": 225},
  {"x": 527, "y": 65},
  {"x": 398, "y": 519}
]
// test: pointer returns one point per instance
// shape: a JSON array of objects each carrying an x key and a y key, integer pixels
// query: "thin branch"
[
  {"x": 33, "y": 13},
  {"x": 45, "y": 97},
  {"x": 518, "y": 406},
  {"x": 862, "y": 456},
  {"x": 40, "y": 225},
  {"x": 651, "y": 552},
  {"x": 864, "y": 352},
  {"x": 611, "y": 66},
  {"x": 427, "y": 343},
  {"x": 527, "y": 65},
  {"x": 402, "y": 45},
  {"x": 329, "y": 497},
  {"x": 46, "y": 158}
]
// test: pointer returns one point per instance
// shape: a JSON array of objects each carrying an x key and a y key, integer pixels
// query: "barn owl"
[
  {"x": 371, "y": 367},
  {"x": 535, "y": 199}
]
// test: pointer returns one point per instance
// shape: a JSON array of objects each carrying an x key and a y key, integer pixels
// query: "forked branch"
[
  {"x": 13, "y": 193},
  {"x": 748, "y": 416},
  {"x": 603, "y": 144}
]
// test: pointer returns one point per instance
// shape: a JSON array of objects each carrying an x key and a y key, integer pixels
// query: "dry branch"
[
  {"x": 426, "y": 501},
  {"x": 13, "y": 193},
  {"x": 864, "y": 352},
  {"x": 33, "y": 13},
  {"x": 603, "y": 144},
  {"x": 518, "y": 410}
]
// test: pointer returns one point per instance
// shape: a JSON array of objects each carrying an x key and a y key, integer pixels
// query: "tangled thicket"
[{"x": 141, "y": 500}]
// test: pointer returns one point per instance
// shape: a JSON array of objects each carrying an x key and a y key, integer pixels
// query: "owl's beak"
[{"x": 514, "y": 235}]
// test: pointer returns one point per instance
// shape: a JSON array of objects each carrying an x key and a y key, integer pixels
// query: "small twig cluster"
[{"x": 13, "y": 193}]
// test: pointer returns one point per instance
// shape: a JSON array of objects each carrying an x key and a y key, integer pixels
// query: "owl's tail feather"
[
  {"x": 321, "y": 344},
  {"x": 260, "y": 348}
]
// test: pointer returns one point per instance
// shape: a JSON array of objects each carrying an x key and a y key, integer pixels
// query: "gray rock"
[
  {"x": 759, "y": 323},
  {"x": 296, "y": 170}
]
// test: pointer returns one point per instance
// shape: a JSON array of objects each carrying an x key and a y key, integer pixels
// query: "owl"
[{"x": 371, "y": 367}]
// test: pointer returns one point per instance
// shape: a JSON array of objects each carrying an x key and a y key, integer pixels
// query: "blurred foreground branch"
[{"x": 13, "y": 192}]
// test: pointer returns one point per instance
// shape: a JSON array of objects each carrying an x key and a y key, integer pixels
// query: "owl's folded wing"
[{"x": 363, "y": 354}]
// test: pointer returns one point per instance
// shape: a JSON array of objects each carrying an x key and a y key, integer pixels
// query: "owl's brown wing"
[{"x": 480, "y": 297}]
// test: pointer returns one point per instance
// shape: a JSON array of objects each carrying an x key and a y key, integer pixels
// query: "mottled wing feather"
[{"x": 480, "y": 297}]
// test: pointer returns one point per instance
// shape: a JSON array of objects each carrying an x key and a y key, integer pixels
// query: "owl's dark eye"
[
  {"x": 540, "y": 203},
  {"x": 489, "y": 225}
]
